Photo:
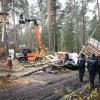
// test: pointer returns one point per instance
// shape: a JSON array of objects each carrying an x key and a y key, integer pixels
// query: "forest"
[
  {"x": 63, "y": 27},
  {"x": 49, "y": 49}
]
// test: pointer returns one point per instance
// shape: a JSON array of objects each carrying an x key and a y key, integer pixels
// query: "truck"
[{"x": 28, "y": 54}]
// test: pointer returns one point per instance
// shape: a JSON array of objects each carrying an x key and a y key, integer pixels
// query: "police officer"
[
  {"x": 92, "y": 66},
  {"x": 81, "y": 66},
  {"x": 98, "y": 68}
]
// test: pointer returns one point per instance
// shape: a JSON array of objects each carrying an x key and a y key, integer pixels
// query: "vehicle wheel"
[{"x": 23, "y": 59}]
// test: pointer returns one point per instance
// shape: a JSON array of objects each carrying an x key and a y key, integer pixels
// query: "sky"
[
  {"x": 91, "y": 6},
  {"x": 34, "y": 1}
]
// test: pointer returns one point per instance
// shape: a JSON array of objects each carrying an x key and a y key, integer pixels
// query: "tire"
[{"x": 21, "y": 59}]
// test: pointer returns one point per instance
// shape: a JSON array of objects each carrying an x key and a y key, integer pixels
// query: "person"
[
  {"x": 66, "y": 58},
  {"x": 92, "y": 66},
  {"x": 9, "y": 62},
  {"x": 81, "y": 66},
  {"x": 98, "y": 68}
]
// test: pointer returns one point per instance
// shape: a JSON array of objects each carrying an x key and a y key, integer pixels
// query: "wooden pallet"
[{"x": 88, "y": 49}]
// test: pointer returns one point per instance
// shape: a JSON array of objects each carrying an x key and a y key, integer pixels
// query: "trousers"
[
  {"x": 81, "y": 73},
  {"x": 92, "y": 74}
]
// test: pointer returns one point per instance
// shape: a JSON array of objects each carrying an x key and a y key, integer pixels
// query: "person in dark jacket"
[
  {"x": 81, "y": 66},
  {"x": 98, "y": 68},
  {"x": 66, "y": 57},
  {"x": 92, "y": 66}
]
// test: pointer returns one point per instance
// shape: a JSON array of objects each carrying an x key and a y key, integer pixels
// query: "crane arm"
[{"x": 38, "y": 35}]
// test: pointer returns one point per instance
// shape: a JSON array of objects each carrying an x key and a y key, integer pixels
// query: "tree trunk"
[
  {"x": 83, "y": 17},
  {"x": 14, "y": 32},
  {"x": 41, "y": 8},
  {"x": 76, "y": 27},
  {"x": 54, "y": 26},
  {"x": 49, "y": 31},
  {"x": 4, "y": 33},
  {"x": 98, "y": 9}
]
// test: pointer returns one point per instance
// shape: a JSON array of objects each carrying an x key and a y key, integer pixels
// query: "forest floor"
[{"x": 48, "y": 86}]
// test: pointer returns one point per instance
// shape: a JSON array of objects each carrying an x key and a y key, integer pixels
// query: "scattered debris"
[{"x": 83, "y": 93}]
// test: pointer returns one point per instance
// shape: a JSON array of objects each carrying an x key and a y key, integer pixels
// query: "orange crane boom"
[
  {"x": 34, "y": 55},
  {"x": 36, "y": 30}
]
